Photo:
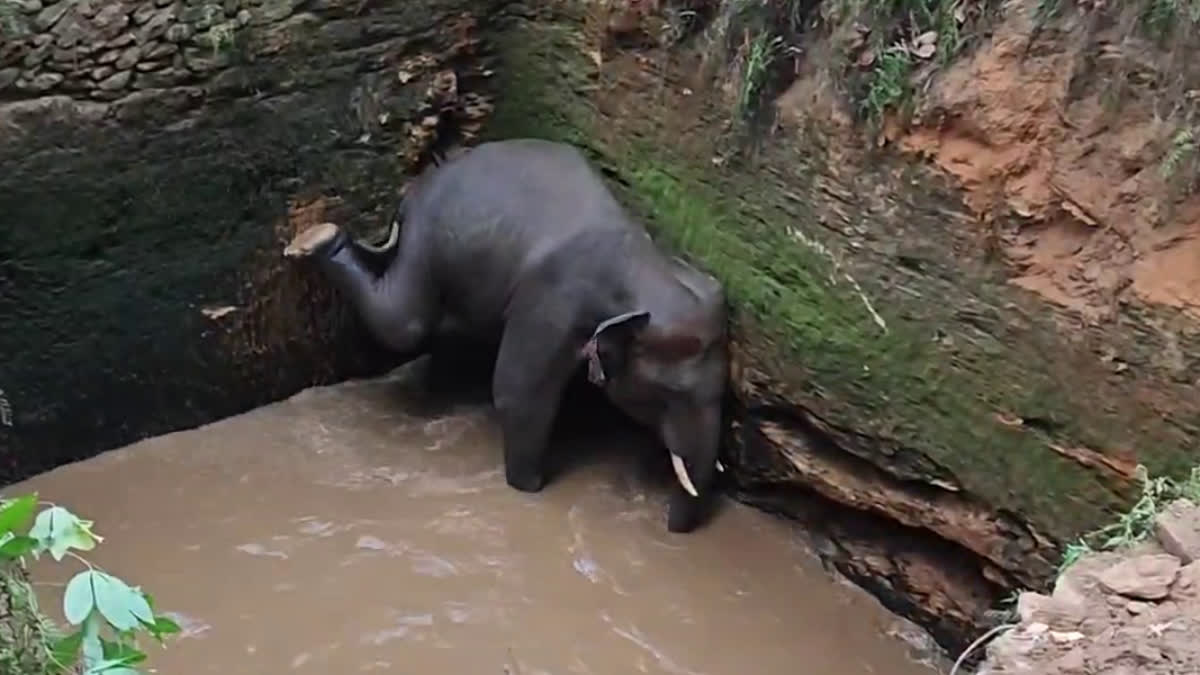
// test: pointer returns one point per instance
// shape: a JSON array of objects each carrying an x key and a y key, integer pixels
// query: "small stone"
[
  {"x": 46, "y": 81},
  {"x": 157, "y": 26},
  {"x": 110, "y": 21},
  {"x": 1072, "y": 662},
  {"x": 121, "y": 40},
  {"x": 42, "y": 39},
  {"x": 129, "y": 57},
  {"x": 147, "y": 66},
  {"x": 8, "y": 76},
  {"x": 243, "y": 18},
  {"x": 1146, "y": 577},
  {"x": 161, "y": 50},
  {"x": 231, "y": 7},
  {"x": 87, "y": 8},
  {"x": 37, "y": 55},
  {"x": 1187, "y": 585},
  {"x": 28, "y": 6},
  {"x": 144, "y": 13},
  {"x": 272, "y": 11},
  {"x": 1035, "y": 607},
  {"x": 116, "y": 81},
  {"x": 101, "y": 72},
  {"x": 108, "y": 57},
  {"x": 49, "y": 16},
  {"x": 1137, "y": 607},
  {"x": 1178, "y": 530},
  {"x": 179, "y": 32}
]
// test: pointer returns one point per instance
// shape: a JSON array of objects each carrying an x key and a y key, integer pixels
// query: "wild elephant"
[{"x": 521, "y": 240}]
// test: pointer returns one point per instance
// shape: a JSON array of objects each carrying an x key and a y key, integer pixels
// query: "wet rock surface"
[
  {"x": 1112, "y": 613},
  {"x": 156, "y": 154}
]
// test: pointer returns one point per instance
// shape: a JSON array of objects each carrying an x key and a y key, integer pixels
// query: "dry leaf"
[
  {"x": 929, "y": 37},
  {"x": 924, "y": 50}
]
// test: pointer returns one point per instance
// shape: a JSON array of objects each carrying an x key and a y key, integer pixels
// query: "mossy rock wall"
[
  {"x": 156, "y": 158},
  {"x": 944, "y": 432}
]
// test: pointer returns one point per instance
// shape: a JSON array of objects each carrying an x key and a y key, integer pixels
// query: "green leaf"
[
  {"x": 15, "y": 513},
  {"x": 58, "y": 530},
  {"x": 65, "y": 650},
  {"x": 79, "y": 598},
  {"x": 15, "y": 547},
  {"x": 121, "y": 653},
  {"x": 113, "y": 599},
  {"x": 165, "y": 626}
]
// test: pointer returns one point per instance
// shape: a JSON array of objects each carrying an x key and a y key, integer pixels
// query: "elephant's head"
[{"x": 672, "y": 378}]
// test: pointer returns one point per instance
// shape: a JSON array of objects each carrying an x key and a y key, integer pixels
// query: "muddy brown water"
[{"x": 345, "y": 531}]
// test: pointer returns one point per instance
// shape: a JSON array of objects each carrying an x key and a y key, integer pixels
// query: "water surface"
[{"x": 351, "y": 530}]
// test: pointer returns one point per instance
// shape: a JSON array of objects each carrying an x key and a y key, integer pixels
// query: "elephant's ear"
[{"x": 607, "y": 351}]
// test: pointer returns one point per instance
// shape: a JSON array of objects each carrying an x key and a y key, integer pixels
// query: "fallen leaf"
[{"x": 924, "y": 50}]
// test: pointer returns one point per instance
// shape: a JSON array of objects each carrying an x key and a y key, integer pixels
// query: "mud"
[
  {"x": 363, "y": 528},
  {"x": 1114, "y": 613}
]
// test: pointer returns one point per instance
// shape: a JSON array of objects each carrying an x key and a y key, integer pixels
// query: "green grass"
[
  {"x": 888, "y": 85},
  {"x": 1137, "y": 523}
]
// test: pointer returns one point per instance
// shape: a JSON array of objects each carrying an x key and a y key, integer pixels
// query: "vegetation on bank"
[
  {"x": 1136, "y": 524},
  {"x": 105, "y": 614}
]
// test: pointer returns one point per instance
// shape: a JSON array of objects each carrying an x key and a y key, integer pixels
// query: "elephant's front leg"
[{"x": 533, "y": 367}]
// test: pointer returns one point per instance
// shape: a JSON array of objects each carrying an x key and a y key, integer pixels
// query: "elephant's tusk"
[
  {"x": 720, "y": 466},
  {"x": 682, "y": 474}
]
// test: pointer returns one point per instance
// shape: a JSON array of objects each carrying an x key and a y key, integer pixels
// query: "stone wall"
[{"x": 157, "y": 155}]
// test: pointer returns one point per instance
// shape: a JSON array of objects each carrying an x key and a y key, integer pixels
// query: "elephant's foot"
[
  {"x": 311, "y": 240},
  {"x": 524, "y": 480}
]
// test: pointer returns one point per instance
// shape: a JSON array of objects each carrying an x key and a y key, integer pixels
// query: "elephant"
[{"x": 521, "y": 241}]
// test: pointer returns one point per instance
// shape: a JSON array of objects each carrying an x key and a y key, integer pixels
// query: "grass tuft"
[{"x": 1137, "y": 524}]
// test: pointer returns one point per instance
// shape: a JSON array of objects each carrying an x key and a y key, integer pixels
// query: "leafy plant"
[
  {"x": 1136, "y": 524},
  {"x": 105, "y": 612}
]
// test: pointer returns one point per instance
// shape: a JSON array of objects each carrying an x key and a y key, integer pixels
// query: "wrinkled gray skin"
[{"x": 521, "y": 240}]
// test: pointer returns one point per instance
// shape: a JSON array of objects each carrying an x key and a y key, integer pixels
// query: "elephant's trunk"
[
  {"x": 372, "y": 287},
  {"x": 693, "y": 435}
]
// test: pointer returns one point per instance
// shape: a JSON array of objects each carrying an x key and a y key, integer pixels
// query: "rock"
[
  {"x": 28, "y": 6},
  {"x": 116, "y": 81},
  {"x": 129, "y": 57},
  {"x": 37, "y": 55},
  {"x": 108, "y": 57},
  {"x": 101, "y": 72},
  {"x": 1178, "y": 530},
  {"x": 161, "y": 50},
  {"x": 8, "y": 76},
  {"x": 1187, "y": 585},
  {"x": 110, "y": 21},
  {"x": 46, "y": 81},
  {"x": 179, "y": 32},
  {"x": 148, "y": 66},
  {"x": 1072, "y": 662},
  {"x": 273, "y": 10},
  {"x": 1055, "y": 612},
  {"x": 144, "y": 13},
  {"x": 1146, "y": 577},
  {"x": 156, "y": 26},
  {"x": 49, "y": 16},
  {"x": 1136, "y": 607}
]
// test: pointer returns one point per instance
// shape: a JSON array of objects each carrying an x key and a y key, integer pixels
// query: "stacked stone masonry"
[{"x": 157, "y": 156}]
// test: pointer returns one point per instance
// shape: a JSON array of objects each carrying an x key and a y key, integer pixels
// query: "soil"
[
  {"x": 1027, "y": 132},
  {"x": 1114, "y": 613}
]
